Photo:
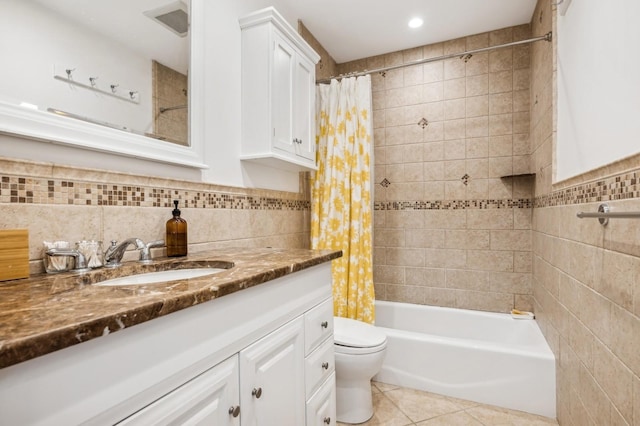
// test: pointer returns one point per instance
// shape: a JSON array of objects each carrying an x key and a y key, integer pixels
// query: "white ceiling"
[
  {"x": 355, "y": 29},
  {"x": 348, "y": 29}
]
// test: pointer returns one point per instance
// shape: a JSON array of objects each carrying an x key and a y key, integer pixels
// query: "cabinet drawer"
[
  {"x": 318, "y": 325},
  {"x": 321, "y": 407},
  {"x": 318, "y": 366}
]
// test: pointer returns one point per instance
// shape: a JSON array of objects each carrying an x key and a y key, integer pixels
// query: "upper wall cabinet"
[{"x": 278, "y": 93}]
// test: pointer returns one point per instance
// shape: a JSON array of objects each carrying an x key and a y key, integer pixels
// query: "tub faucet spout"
[{"x": 115, "y": 252}]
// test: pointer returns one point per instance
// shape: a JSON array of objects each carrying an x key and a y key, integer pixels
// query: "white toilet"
[{"x": 359, "y": 349}]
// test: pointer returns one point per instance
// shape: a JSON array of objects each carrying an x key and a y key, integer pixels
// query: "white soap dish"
[{"x": 515, "y": 313}]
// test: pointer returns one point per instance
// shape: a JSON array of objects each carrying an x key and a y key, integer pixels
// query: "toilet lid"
[{"x": 356, "y": 334}]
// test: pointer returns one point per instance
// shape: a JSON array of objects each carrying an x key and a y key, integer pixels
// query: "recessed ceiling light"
[{"x": 415, "y": 22}]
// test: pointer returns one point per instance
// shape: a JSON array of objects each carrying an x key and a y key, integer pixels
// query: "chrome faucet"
[{"x": 115, "y": 252}]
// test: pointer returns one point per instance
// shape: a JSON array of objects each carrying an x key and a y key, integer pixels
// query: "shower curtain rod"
[{"x": 464, "y": 55}]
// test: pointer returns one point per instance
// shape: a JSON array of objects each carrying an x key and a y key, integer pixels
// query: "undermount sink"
[{"x": 161, "y": 276}]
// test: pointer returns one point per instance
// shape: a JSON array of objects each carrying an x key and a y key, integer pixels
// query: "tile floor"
[{"x": 396, "y": 406}]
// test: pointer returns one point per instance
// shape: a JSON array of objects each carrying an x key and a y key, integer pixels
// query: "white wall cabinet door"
[
  {"x": 210, "y": 398},
  {"x": 282, "y": 109},
  {"x": 304, "y": 108},
  {"x": 272, "y": 390}
]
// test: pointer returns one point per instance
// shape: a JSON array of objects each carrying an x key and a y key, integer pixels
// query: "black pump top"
[{"x": 176, "y": 211}]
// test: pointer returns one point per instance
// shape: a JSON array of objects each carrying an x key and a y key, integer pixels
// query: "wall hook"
[
  {"x": 92, "y": 80},
  {"x": 69, "y": 72},
  {"x": 114, "y": 88},
  {"x": 133, "y": 94}
]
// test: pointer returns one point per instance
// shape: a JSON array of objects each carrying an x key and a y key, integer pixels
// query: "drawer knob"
[
  {"x": 327, "y": 420},
  {"x": 234, "y": 410},
  {"x": 325, "y": 365},
  {"x": 257, "y": 392},
  {"x": 324, "y": 324}
]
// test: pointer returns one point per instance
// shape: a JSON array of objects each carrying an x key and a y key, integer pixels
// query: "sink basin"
[{"x": 161, "y": 276}]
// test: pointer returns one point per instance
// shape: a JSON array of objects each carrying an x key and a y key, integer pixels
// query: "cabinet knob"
[
  {"x": 327, "y": 420},
  {"x": 234, "y": 410},
  {"x": 257, "y": 392},
  {"x": 324, "y": 324},
  {"x": 325, "y": 365}
]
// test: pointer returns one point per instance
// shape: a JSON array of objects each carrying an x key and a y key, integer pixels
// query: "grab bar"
[{"x": 604, "y": 214}]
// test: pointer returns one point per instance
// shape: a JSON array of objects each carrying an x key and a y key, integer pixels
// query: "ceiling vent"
[{"x": 174, "y": 16}]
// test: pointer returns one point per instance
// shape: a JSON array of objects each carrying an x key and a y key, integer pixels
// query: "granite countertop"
[{"x": 48, "y": 312}]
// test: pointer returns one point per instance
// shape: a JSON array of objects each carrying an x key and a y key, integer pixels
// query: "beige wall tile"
[
  {"x": 454, "y": 108},
  {"x": 484, "y": 301},
  {"x": 477, "y": 127},
  {"x": 388, "y": 274},
  {"x": 433, "y": 92},
  {"x": 511, "y": 240},
  {"x": 478, "y": 64},
  {"x": 490, "y": 260},
  {"x": 477, "y": 106},
  {"x": 455, "y": 88},
  {"x": 478, "y": 147},
  {"x": 489, "y": 219},
  {"x": 425, "y": 238},
  {"x": 615, "y": 379},
  {"x": 477, "y": 85},
  {"x": 454, "y": 149},
  {"x": 405, "y": 293}
]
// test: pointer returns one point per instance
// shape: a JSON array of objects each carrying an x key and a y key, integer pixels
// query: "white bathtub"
[{"x": 479, "y": 356}]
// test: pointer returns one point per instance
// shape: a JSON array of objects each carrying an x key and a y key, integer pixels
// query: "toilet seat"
[{"x": 356, "y": 337}]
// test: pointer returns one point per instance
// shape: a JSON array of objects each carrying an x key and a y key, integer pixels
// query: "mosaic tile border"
[
  {"x": 619, "y": 187},
  {"x": 26, "y": 190},
  {"x": 521, "y": 203}
]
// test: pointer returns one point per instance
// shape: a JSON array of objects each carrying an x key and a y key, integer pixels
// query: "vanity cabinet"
[
  {"x": 278, "y": 93},
  {"x": 272, "y": 378},
  {"x": 260, "y": 356},
  {"x": 211, "y": 398}
]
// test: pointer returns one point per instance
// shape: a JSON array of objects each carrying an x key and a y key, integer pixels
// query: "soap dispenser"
[{"x": 176, "y": 234}]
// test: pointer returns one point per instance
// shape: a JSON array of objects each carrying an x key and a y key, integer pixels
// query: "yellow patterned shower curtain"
[{"x": 341, "y": 216}]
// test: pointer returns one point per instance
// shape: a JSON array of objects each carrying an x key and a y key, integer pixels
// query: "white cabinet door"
[
  {"x": 304, "y": 108},
  {"x": 210, "y": 398},
  {"x": 272, "y": 388},
  {"x": 321, "y": 408},
  {"x": 293, "y": 100},
  {"x": 282, "y": 111}
]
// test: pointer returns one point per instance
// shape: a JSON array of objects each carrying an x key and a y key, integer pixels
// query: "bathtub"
[{"x": 485, "y": 357}]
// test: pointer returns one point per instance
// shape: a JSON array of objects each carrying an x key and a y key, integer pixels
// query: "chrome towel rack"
[{"x": 604, "y": 214}]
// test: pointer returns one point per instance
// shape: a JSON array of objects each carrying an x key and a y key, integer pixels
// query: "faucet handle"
[{"x": 145, "y": 252}]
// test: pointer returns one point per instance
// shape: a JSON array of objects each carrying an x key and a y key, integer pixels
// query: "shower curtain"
[{"x": 341, "y": 216}]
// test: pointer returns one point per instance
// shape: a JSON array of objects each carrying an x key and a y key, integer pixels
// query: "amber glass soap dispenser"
[{"x": 176, "y": 234}]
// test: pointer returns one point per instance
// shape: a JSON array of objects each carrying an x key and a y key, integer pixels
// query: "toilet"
[{"x": 359, "y": 350}]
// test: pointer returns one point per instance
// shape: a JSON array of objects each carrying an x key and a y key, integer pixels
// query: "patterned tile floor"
[{"x": 396, "y": 406}]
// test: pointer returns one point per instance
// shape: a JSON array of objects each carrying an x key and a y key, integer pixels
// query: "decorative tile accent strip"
[
  {"x": 23, "y": 190},
  {"x": 522, "y": 203},
  {"x": 619, "y": 187}
]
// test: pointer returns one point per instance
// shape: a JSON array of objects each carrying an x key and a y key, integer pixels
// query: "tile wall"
[
  {"x": 170, "y": 90},
  {"x": 586, "y": 277},
  {"x": 453, "y": 193},
  {"x": 57, "y": 202}
]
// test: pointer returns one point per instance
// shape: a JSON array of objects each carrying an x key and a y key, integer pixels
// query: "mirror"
[{"x": 120, "y": 65}]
